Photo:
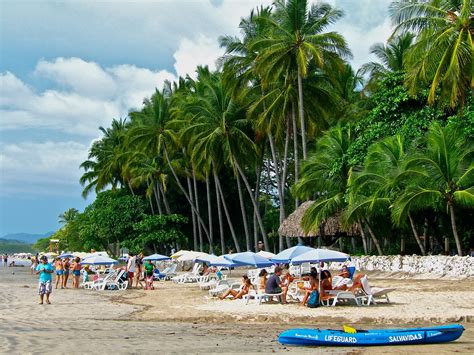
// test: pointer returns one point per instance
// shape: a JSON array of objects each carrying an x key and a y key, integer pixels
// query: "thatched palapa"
[{"x": 291, "y": 226}]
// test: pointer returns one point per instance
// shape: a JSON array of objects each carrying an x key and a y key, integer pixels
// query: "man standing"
[
  {"x": 131, "y": 268},
  {"x": 45, "y": 271}
]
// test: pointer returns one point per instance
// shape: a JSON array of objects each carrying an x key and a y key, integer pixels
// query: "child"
[
  {"x": 148, "y": 272},
  {"x": 45, "y": 271}
]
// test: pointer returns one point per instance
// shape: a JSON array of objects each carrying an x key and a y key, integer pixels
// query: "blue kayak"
[{"x": 328, "y": 337}]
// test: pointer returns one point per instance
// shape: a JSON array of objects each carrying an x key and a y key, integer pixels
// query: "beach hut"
[{"x": 329, "y": 231}]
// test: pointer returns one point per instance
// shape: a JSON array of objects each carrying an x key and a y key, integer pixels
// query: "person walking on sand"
[
  {"x": 138, "y": 269},
  {"x": 5, "y": 260},
  {"x": 131, "y": 263},
  {"x": 59, "y": 267},
  {"x": 45, "y": 271}
]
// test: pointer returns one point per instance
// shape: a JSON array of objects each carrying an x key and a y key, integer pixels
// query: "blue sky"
[{"x": 68, "y": 67}]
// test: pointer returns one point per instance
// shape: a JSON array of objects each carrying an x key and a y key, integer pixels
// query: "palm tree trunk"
[
  {"x": 165, "y": 199},
  {"x": 259, "y": 218},
  {"x": 415, "y": 234},
  {"x": 285, "y": 169},
  {"x": 196, "y": 198},
  {"x": 295, "y": 150},
  {"x": 184, "y": 192},
  {"x": 455, "y": 229},
  {"x": 193, "y": 215},
  {"x": 301, "y": 110},
  {"x": 242, "y": 210},
  {"x": 364, "y": 238},
  {"x": 219, "y": 214},
  {"x": 151, "y": 205},
  {"x": 280, "y": 193},
  {"x": 425, "y": 235},
  {"x": 374, "y": 238},
  {"x": 157, "y": 198},
  {"x": 229, "y": 221},
  {"x": 130, "y": 187},
  {"x": 209, "y": 209},
  {"x": 257, "y": 195},
  {"x": 190, "y": 192}
]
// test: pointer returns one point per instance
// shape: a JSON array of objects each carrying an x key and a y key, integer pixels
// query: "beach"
[{"x": 183, "y": 319}]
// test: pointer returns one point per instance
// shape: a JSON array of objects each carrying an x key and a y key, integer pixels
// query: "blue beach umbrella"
[
  {"x": 248, "y": 258},
  {"x": 287, "y": 255},
  {"x": 318, "y": 255},
  {"x": 98, "y": 260},
  {"x": 156, "y": 257},
  {"x": 65, "y": 255}
]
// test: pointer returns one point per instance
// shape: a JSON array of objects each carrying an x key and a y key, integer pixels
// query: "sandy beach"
[{"x": 182, "y": 319}]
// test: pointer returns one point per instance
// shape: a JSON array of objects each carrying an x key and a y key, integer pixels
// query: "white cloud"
[
  {"x": 53, "y": 166},
  {"x": 190, "y": 54},
  {"x": 86, "y": 96}
]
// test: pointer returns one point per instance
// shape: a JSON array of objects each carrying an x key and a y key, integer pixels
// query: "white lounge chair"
[
  {"x": 111, "y": 282},
  {"x": 260, "y": 296},
  {"x": 373, "y": 293},
  {"x": 192, "y": 276},
  {"x": 222, "y": 286}
]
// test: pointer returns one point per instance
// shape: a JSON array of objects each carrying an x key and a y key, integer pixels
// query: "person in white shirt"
[{"x": 130, "y": 269}]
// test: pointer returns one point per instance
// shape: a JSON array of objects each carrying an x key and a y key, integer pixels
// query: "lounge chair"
[
  {"x": 167, "y": 273},
  {"x": 344, "y": 297},
  {"x": 222, "y": 286},
  {"x": 373, "y": 293},
  {"x": 111, "y": 282},
  {"x": 192, "y": 276},
  {"x": 260, "y": 296}
]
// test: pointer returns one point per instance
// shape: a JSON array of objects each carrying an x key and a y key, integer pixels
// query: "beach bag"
[{"x": 313, "y": 300}]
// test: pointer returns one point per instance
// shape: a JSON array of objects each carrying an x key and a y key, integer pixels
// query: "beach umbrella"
[
  {"x": 213, "y": 260},
  {"x": 66, "y": 255},
  {"x": 156, "y": 257},
  {"x": 179, "y": 253},
  {"x": 98, "y": 260},
  {"x": 191, "y": 256},
  {"x": 318, "y": 255},
  {"x": 287, "y": 255},
  {"x": 248, "y": 258},
  {"x": 266, "y": 254}
]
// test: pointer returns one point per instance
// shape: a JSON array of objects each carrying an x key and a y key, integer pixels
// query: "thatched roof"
[{"x": 291, "y": 226}]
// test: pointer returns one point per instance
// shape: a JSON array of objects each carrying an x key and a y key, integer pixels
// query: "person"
[
  {"x": 260, "y": 246},
  {"x": 244, "y": 289},
  {"x": 34, "y": 264},
  {"x": 148, "y": 272},
  {"x": 59, "y": 267},
  {"x": 45, "y": 271},
  {"x": 138, "y": 268},
  {"x": 130, "y": 269},
  {"x": 66, "y": 266},
  {"x": 275, "y": 286},
  {"x": 76, "y": 272},
  {"x": 5, "y": 259},
  {"x": 313, "y": 286},
  {"x": 263, "y": 280}
]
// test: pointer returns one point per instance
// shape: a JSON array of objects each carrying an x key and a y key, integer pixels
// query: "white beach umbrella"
[
  {"x": 98, "y": 260},
  {"x": 318, "y": 255},
  {"x": 266, "y": 254},
  {"x": 191, "y": 255},
  {"x": 179, "y": 253}
]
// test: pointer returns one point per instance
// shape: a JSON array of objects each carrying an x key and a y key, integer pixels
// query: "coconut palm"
[
  {"x": 324, "y": 176},
  {"x": 68, "y": 216},
  {"x": 296, "y": 37},
  {"x": 447, "y": 169},
  {"x": 442, "y": 55},
  {"x": 381, "y": 180},
  {"x": 391, "y": 58}
]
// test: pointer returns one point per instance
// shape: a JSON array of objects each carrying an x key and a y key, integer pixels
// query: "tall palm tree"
[
  {"x": 442, "y": 55},
  {"x": 68, "y": 216},
  {"x": 325, "y": 176},
  {"x": 447, "y": 169},
  {"x": 391, "y": 58},
  {"x": 296, "y": 37},
  {"x": 382, "y": 179}
]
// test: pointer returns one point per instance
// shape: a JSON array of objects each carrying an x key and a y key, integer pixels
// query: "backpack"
[{"x": 313, "y": 300}]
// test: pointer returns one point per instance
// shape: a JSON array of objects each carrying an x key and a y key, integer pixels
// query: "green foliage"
[
  {"x": 110, "y": 219},
  {"x": 393, "y": 112},
  {"x": 11, "y": 246},
  {"x": 42, "y": 244},
  {"x": 153, "y": 231}
]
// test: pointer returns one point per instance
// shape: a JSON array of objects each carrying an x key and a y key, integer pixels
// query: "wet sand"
[{"x": 179, "y": 319}]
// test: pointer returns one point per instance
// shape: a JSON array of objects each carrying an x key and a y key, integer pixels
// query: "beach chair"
[
  {"x": 111, "y": 282},
  {"x": 93, "y": 285},
  {"x": 339, "y": 281},
  {"x": 189, "y": 276},
  {"x": 373, "y": 293},
  {"x": 222, "y": 286},
  {"x": 260, "y": 296},
  {"x": 295, "y": 270},
  {"x": 166, "y": 274},
  {"x": 344, "y": 297},
  {"x": 305, "y": 268}
]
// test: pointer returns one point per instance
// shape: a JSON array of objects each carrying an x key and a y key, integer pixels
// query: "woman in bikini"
[
  {"x": 244, "y": 289},
  {"x": 66, "y": 266},
  {"x": 263, "y": 280},
  {"x": 76, "y": 272},
  {"x": 59, "y": 269}
]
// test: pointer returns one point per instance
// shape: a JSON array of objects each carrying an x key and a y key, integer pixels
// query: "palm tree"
[
  {"x": 325, "y": 176},
  {"x": 447, "y": 169},
  {"x": 296, "y": 38},
  {"x": 68, "y": 216},
  {"x": 442, "y": 55},
  {"x": 391, "y": 58},
  {"x": 374, "y": 189}
]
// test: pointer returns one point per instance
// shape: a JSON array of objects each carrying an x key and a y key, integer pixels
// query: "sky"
[{"x": 69, "y": 67}]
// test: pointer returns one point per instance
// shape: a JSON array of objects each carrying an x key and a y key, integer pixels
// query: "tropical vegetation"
[{"x": 217, "y": 160}]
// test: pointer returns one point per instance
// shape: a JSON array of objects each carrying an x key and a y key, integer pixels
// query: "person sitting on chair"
[
  {"x": 275, "y": 286},
  {"x": 244, "y": 289}
]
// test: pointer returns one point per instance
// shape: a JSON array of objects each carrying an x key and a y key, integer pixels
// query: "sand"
[{"x": 181, "y": 319}]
